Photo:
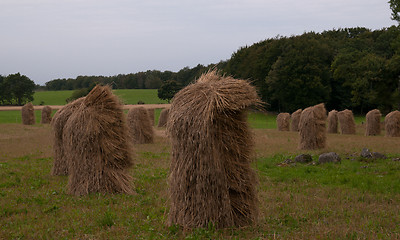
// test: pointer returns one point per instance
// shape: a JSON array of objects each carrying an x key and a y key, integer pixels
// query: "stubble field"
[{"x": 357, "y": 198}]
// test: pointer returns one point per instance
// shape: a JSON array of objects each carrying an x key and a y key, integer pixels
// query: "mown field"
[
  {"x": 356, "y": 199},
  {"x": 128, "y": 96}
]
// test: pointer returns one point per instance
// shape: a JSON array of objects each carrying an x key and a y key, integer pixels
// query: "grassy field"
[
  {"x": 128, "y": 96},
  {"x": 357, "y": 199},
  {"x": 256, "y": 119}
]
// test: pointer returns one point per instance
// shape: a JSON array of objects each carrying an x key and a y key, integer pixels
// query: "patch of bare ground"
[{"x": 18, "y": 140}]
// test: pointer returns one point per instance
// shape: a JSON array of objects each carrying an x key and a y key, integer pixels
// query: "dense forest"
[{"x": 353, "y": 68}]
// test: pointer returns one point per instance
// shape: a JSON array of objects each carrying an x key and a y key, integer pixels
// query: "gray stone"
[
  {"x": 376, "y": 155},
  {"x": 329, "y": 157},
  {"x": 365, "y": 153},
  {"x": 303, "y": 158}
]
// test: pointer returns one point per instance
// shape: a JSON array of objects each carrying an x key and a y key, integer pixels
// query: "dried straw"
[
  {"x": 312, "y": 127},
  {"x": 283, "y": 121},
  {"x": 60, "y": 165},
  {"x": 295, "y": 117},
  {"x": 97, "y": 146},
  {"x": 333, "y": 121},
  {"x": 140, "y": 128},
  {"x": 28, "y": 114},
  {"x": 373, "y": 123},
  {"x": 46, "y": 115},
  {"x": 211, "y": 180},
  {"x": 346, "y": 122},
  {"x": 150, "y": 112},
  {"x": 162, "y": 121},
  {"x": 392, "y": 124}
]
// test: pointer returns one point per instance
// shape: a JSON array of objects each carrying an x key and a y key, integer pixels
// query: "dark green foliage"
[
  {"x": 395, "y": 6},
  {"x": 168, "y": 90},
  {"x": 16, "y": 89},
  {"x": 80, "y": 93}
]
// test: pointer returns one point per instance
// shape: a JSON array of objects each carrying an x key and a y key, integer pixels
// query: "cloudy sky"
[{"x": 49, "y": 39}]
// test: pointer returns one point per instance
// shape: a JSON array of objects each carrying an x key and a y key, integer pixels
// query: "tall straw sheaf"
[
  {"x": 97, "y": 145},
  {"x": 46, "y": 115},
  {"x": 283, "y": 121},
  {"x": 333, "y": 122},
  {"x": 140, "y": 128},
  {"x": 162, "y": 121},
  {"x": 211, "y": 180},
  {"x": 312, "y": 127},
  {"x": 150, "y": 112},
  {"x": 392, "y": 124},
  {"x": 28, "y": 114},
  {"x": 346, "y": 122},
  {"x": 60, "y": 165},
  {"x": 295, "y": 118},
  {"x": 373, "y": 123}
]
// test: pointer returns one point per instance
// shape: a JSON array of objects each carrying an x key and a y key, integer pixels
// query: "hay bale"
[
  {"x": 97, "y": 145},
  {"x": 295, "y": 117},
  {"x": 312, "y": 127},
  {"x": 151, "y": 114},
  {"x": 162, "y": 121},
  {"x": 392, "y": 124},
  {"x": 60, "y": 165},
  {"x": 333, "y": 122},
  {"x": 211, "y": 180},
  {"x": 373, "y": 123},
  {"x": 140, "y": 128},
  {"x": 46, "y": 115},
  {"x": 346, "y": 122},
  {"x": 283, "y": 121},
  {"x": 28, "y": 114}
]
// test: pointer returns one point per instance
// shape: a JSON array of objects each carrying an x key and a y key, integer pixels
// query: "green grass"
[
  {"x": 128, "y": 96},
  {"x": 374, "y": 176},
  {"x": 15, "y": 116},
  {"x": 296, "y": 202}
]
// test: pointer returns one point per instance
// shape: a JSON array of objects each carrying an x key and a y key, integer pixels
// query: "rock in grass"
[
  {"x": 330, "y": 157},
  {"x": 365, "y": 153},
  {"x": 303, "y": 158}
]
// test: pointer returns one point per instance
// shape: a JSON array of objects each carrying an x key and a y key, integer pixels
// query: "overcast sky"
[{"x": 49, "y": 39}]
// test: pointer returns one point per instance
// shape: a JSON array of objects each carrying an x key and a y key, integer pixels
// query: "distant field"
[
  {"x": 256, "y": 120},
  {"x": 128, "y": 96}
]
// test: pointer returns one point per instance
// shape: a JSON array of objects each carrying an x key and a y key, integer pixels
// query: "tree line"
[
  {"x": 16, "y": 89},
  {"x": 353, "y": 68}
]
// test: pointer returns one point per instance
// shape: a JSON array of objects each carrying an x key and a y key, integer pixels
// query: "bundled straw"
[
  {"x": 140, "y": 128},
  {"x": 150, "y": 112},
  {"x": 46, "y": 115},
  {"x": 373, "y": 123},
  {"x": 60, "y": 165},
  {"x": 211, "y": 180},
  {"x": 346, "y": 122},
  {"x": 295, "y": 117},
  {"x": 28, "y": 114},
  {"x": 283, "y": 121},
  {"x": 97, "y": 146},
  {"x": 333, "y": 121},
  {"x": 312, "y": 127},
  {"x": 162, "y": 121},
  {"x": 392, "y": 124}
]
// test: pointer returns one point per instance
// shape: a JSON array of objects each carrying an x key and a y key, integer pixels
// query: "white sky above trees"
[{"x": 49, "y": 39}]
